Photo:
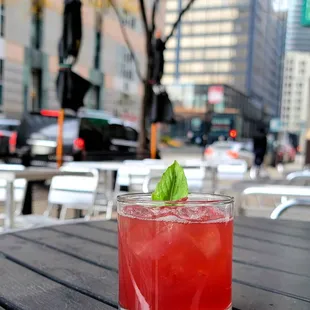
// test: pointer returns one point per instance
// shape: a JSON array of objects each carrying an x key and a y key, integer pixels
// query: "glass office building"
[
  {"x": 297, "y": 36},
  {"x": 233, "y": 42}
]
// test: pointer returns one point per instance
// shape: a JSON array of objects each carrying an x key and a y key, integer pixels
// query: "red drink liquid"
[{"x": 175, "y": 258}]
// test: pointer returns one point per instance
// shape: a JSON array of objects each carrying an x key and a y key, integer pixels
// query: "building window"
[
  {"x": 36, "y": 24},
  {"x": 2, "y": 18},
  {"x": 93, "y": 101},
  {"x": 127, "y": 65},
  {"x": 129, "y": 20},
  {"x": 98, "y": 27}
]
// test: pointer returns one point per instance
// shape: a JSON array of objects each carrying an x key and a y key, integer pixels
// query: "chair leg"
[
  {"x": 48, "y": 211},
  {"x": 18, "y": 209},
  {"x": 109, "y": 211},
  {"x": 63, "y": 213}
]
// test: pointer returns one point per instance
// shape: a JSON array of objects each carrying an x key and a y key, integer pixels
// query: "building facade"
[
  {"x": 233, "y": 42},
  {"x": 29, "y": 35},
  {"x": 297, "y": 36},
  {"x": 295, "y": 109},
  {"x": 295, "y": 112}
]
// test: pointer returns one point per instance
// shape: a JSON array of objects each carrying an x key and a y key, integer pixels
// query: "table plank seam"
[
  {"x": 67, "y": 253},
  {"x": 99, "y": 228},
  {"x": 82, "y": 238},
  {"x": 278, "y": 223},
  {"x": 272, "y": 290},
  {"x": 272, "y": 231},
  {"x": 59, "y": 281},
  {"x": 269, "y": 268},
  {"x": 7, "y": 305},
  {"x": 271, "y": 242}
]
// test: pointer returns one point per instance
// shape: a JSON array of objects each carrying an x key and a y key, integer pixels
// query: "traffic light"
[{"x": 233, "y": 133}]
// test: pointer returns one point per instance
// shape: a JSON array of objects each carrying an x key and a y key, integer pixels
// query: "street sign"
[
  {"x": 215, "y": 94},
  {"x": 275, "y": 125},
  {"x": 305, "y": 13}
]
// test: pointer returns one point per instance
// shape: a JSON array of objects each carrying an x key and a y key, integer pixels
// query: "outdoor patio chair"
[
  {"x": 73, "y": 192},
  {"x": 70, "y": 191},
  {"x": 195, "y": 179},
  {"x": 20, "y": 187},
  {"x": 131, "y": 176}
]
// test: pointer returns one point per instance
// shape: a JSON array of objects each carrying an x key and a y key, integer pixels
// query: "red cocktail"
[{"x": 175, "y": 257}]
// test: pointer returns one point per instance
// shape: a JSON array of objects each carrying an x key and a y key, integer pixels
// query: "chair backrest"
[
  {"x": 20, "y": 185},
  {"x": 131, "y": 173},
  {"x": 11, "y": 167},
  {"x": 149, "y": 161},
  {"x": 195, "y": 179},
  {"x": 74, "y": 191}
]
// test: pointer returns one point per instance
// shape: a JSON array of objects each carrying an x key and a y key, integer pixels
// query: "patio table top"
[{"x": 74, "y": 266}]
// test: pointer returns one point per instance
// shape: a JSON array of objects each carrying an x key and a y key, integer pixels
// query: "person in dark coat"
[
  {"x": 159, "y": 61},
  {"x": 260, "y": 150}
]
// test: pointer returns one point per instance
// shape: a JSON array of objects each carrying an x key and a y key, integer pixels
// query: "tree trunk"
[{"x": 144, "y": 111}]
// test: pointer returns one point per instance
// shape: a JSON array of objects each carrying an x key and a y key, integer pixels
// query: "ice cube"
[{"x": 207, "y": 239}]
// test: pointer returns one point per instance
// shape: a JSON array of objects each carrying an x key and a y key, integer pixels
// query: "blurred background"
[{"x": 228, "y": 66}]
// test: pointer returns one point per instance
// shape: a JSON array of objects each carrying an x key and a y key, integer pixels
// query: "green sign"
[{"x": 305, "y": 14}]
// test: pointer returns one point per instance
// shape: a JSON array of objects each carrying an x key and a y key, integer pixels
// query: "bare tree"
[{"x": 149, "y": 27}]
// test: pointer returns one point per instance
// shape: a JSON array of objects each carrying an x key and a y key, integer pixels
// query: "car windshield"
[{"x": 224, "y": 145}]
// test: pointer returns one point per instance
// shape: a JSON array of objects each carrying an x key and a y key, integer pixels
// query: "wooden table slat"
[
  {"x": 274, "y": 227},
  {"x": 300, "y": 266},
  {"x": 285, "y": 284},
  {"x": 91, "y": 234},
  {"x": 263, "y": 222},
  {"x": 104, "y": 256},
  {"x": 105, "y": 225},
  {"x": 84, "y": 277},
  {"x": 277, "y": 250},
  {"x": 272, "y": 238},
  {"x": 27, "y": 290},
  {"x": 249, "y": 298}
]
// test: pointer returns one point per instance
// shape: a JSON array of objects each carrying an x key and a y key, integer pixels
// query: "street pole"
[
  {"x": 59, "y": 149},
  {"x": 153, "y": 142}
]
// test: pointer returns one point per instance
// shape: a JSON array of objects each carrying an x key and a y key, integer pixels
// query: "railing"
[
  {"x": 276, "y": 213},
  {"x": 298, "y": 175},
  {"x": 282, "y": 191}
]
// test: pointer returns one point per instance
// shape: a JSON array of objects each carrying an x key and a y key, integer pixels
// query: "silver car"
[{"x": 226, "y": 151}]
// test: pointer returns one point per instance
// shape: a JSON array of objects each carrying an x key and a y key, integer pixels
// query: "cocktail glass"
[{"x": 175, "y": 255}]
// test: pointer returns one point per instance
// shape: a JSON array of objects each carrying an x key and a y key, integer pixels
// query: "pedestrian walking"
[{"x": 259, "y": 149}]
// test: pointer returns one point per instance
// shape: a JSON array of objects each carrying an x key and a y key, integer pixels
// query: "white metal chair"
[
  {"x": 131, "y": 174},
  {"x": 73, "y": 192},
  {"x": 20, "y": 187},
  {"x": 195, "y": 179}
]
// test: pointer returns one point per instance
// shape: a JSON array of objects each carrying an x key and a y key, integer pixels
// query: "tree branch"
[
  {"x": 145, "y": 23},
  {"x": 127, "y": 41},
  {"x": 176, "y": 23},
  {"x": 154, "y": 10}
]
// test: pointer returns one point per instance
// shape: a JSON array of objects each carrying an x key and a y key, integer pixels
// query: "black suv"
[{"x": 87, "y": 136}]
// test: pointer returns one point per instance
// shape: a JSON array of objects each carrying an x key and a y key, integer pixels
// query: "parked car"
[
  {"x": 7, "y": 128},
  {"x": 88, "y": 136},
  {"x": 281, "y": 152},
  {"x": 227, "y": 150}
]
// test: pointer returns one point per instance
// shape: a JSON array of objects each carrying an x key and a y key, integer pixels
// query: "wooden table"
[{"x": 74, "y": 266}]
